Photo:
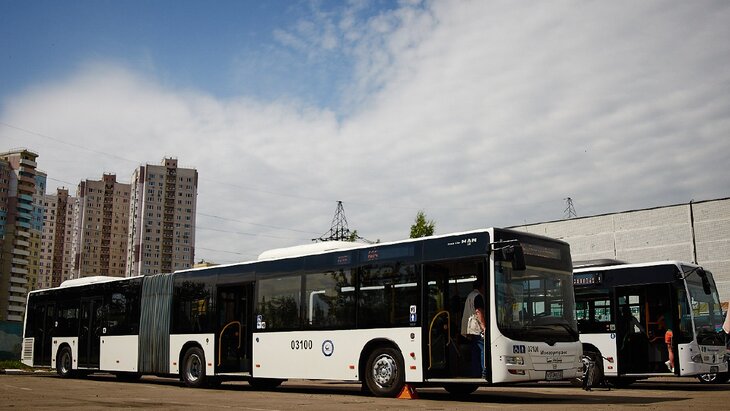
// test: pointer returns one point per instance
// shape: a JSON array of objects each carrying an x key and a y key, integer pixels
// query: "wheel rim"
[
  {"x": 708, "y": 377},
  {"x": 194, "y": 367},
  {"x": 385, "y": 371},
  {"x": 65, "y": 362}
]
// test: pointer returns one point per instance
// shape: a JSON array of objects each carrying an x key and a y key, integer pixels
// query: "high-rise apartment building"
[
  {"x": 18, "y": 177},
  {"x": 56, "y": 242},
  {"x": 36, "y": 231},
  {"x": 101, "y": 221},
  {"x": 162, "y": 218}
]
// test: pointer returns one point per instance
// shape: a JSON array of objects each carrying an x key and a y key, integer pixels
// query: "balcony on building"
[
  {"x": 18, "y": 270},
  {"x": 19, "y": 261},
  {"x": 22, "y": 243},
  {"x": 20, "y": 252},
  {"x": 19, "y": 290},
  {"x": 29, "y": 163}
]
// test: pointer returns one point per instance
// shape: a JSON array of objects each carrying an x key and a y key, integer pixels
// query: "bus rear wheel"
[
  {"x": 384, "y": 372},
  {"x": 64, "y": 362},
  {"x": 193, "y": 368}
]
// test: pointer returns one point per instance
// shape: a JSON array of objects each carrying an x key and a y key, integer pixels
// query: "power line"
[{"x": 256, "y": 224}]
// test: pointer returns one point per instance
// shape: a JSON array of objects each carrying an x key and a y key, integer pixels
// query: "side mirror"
[
  {"x": 705, "y": 282},
  {"x": 516, "y": 256}
]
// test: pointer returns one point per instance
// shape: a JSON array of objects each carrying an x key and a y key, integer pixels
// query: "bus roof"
[
  {"x": 620, "y": 265},
  {"x": 323, "y": 247}
]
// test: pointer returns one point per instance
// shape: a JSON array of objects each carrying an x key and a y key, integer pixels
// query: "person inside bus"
[
  {"x": 473, "y": 326},
  {"x": 634, "y": 339},
  {"x": 659, "y": 337},
  {"x": 668, "y": 341}
]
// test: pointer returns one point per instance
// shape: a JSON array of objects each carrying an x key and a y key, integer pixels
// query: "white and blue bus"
[
  {"x": 625, "y": 310},
  {"x": 384, "y": 314}
]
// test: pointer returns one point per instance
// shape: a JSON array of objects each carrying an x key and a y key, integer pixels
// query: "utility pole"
[
  {"x": 338, "y": 230},
  {"x": 569, "y": 209}
]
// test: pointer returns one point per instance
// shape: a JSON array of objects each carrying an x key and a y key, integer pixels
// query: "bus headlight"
[
  {"x": 697, "y": 358},
  {"x": 514, "y": 360}
]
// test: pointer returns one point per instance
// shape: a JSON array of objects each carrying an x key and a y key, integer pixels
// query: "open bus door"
[
  {"x": 448, "y": 284},
  {"x": 233, "y": 342}
]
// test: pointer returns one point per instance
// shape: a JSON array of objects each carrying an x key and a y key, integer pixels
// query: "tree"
[{"x": 422, "y": 228}]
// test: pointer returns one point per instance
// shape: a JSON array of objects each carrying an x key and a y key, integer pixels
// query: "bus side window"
[
  {"x": 329, "y": 299},
  {"x": 386, "y": 293},
  {"x": 279, "y": 302}
]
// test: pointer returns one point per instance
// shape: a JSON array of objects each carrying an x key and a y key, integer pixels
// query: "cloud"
[{"x": 480, "y": 113}]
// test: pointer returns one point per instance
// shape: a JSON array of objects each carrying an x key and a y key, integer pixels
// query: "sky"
[{"x": 479, "y": 113}]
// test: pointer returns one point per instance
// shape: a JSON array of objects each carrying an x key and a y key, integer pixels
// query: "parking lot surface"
[{"x": 47, "y": 391}]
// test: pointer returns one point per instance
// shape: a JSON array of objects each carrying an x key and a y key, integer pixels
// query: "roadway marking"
[{"x": 18, "y": 388}]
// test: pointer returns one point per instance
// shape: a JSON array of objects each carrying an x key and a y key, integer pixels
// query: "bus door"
[
  {"x": 448, "y": 353},
  {"x": 235, "y": 311},
  {"x": 90, "y": 329},
  {"x": 632, "y": 339},
  {"x": 43, "y": 331}
]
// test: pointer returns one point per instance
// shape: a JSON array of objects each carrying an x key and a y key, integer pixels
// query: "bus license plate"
[
  {"x": 713, "y": 369},
  {"x": 554, "y": 375}
]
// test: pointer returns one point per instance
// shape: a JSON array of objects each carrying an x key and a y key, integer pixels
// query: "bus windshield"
[
  {"x": 535, "y": 304},
  {"x": 706, "y": 309}
]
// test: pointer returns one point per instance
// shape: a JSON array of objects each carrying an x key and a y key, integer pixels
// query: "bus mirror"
[
  {"x": 706, "y": 287},
  {"x": 514, "y": 254}
]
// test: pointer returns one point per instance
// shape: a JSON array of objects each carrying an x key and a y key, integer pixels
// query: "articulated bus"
[
  {"x": 385, "y": 315},
  {"x": 624, "y": 312}
]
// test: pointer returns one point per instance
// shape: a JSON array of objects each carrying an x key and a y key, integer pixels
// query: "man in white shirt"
[{"x": 473, "y": 325}]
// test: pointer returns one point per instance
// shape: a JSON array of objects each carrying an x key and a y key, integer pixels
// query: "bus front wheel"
[
  {"x": 64, "y": 362},
  {"x": 384, "y": 372},
  {"x": 193, "y": 369}
]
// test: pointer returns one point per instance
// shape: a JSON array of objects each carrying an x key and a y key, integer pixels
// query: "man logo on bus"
[{"x": 518, "y": 349}]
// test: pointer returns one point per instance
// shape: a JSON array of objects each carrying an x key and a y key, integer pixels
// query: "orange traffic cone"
[{"x": 408, "y": 393}]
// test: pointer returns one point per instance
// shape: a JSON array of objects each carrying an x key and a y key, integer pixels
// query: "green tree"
[{"x": 422, "y": 228}]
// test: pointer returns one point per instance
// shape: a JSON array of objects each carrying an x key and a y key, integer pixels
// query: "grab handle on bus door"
[
  {"x": 220, "y": 338},
  {"x": 430, "y": 329}
]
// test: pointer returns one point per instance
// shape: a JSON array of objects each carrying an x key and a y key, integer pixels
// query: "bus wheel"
[
  {"x": 460, "y": 390},
  {"x": 265, "y": 384},
  {"x": 596, "y": 373},
  {"x": 193, "y": 369},
  {"x": 710, "y": 379},
  {"x": 384, "y": 372},
  {"x": 64, "y": 361}
]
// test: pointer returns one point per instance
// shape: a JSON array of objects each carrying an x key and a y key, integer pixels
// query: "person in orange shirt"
[{"x": 668, "y": 340}]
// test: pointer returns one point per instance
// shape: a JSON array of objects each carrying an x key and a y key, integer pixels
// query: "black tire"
[
  {"x": 597, "y": 372},
  {"x": 460, "y": 390},
  {"x": 385, "y": 372},
  {"x": 128, "y": 376},
  {"x": 265, "y": 384},
  {"x": 192, "y": 371},
  {"x": 715, "y": 378},
  {"x": 64, "y": 362}
]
